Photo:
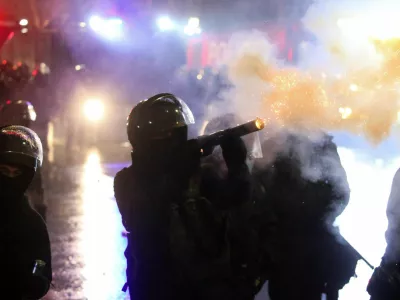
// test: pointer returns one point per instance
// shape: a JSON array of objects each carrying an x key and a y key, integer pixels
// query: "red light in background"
[
  {"x": 189, "y": 54},
  {"x": 10, "y": 36},
  {"x": 290, "y": 54},
  {"x": 204, "y": 53},
  {"x": 281, "y": 40},
  {"x": 4, "y": 62},
  {"x": 8, "y": 102},
  {"x": 34, "y": 72}
]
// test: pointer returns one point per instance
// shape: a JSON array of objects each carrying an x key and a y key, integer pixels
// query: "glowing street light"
[
  {"x": 23, "y": 22},
  {"x": 108, "y": 28},
  {"x": 193, "y": 27},
  {"x": 165, "y": 23},
  {"x": 96, "y": 23},
  {"x": 194, "y": 22},
  {"x": 93, "y": 110},
  {"x": 79, "y": 67},
  {"x": 113, "y": 29}
]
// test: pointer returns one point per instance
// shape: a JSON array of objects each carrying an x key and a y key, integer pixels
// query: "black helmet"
[
  {"x": 17, "y": 112},
  {"x": 157, "y": 118},
  {"x": 20, "y": 146}
]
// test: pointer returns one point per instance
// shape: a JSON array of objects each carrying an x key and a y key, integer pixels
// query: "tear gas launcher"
[{"x": 214, "y": 139}]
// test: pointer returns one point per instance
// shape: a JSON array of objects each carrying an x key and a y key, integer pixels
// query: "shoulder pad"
[{"x": 121, "y": 177}]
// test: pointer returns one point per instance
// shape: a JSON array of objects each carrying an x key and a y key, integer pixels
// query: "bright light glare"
[
  {"x": 79, "y": 67},
  {"x": 353, "y": 87},
  {"x": 199, "y": 76},
  {"x": 24, "y": 30},
  {"x": 370, "y": 187},
  {"x": 192, "y": 31},
  {"x": 113, "y": 29},
  {"x": 23, "y": 22},
  {"x": 44, "y": 69},
  {"x": 82, "y": 24},
  {"x": 98, "y": 204},
  {"x": 345, "y": 112},
  {"x": 165, "y": 23},
  {"x": 194, "y": 22},
  {"x": 371, "y": 26},
  {"x": 108, "y": 28},
  {"x": 32, "y": 113},
  {"x": 96, "y": 23},
  {"x": 193, "y": 27},
  {"x": 94, "y": 109}
]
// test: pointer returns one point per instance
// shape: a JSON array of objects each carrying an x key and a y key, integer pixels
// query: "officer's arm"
[
  {"x": 336, "y": 178},
  {"x": 393, "y": 215},
  {"x": 238, "y": 185},
  {"x": 236, "y": 188},
  {"x": 120, "y": 183},
  {"x": 382, "y": 283},
  {"x": 148, "y": 220}
]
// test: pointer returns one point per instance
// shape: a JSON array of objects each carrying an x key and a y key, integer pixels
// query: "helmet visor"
[{"x": 20, "y": 145}]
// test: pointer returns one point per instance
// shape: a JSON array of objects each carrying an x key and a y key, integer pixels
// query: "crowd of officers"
[{"x": 203, "y": 222}]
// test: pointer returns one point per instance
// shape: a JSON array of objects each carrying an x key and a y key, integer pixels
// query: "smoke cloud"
[{"x": 347, "y": 81}]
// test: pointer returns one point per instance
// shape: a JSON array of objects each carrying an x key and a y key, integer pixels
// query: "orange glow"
[
  {"x": 260, "y": 123},
  {"x": 364, "y": 101}
]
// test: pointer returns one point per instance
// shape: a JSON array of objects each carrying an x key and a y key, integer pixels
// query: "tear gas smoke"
[{"x": 352, "y": 85}]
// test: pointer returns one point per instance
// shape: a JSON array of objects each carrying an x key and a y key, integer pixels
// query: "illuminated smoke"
[{"x": 352, "y": 84}]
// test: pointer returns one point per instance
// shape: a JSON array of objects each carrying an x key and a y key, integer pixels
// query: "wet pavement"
[{"x": 87, "y": 234}]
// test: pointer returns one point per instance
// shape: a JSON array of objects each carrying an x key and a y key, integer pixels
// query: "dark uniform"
[
  {"x": 304, "y": 189},
  {"x": 20, "y": 112},
  {"x": 25, "y": 247},
  {"x": 244, "y": 242},
  {"x": 385, "y": 281},
  {"x": 177, "y": 244}
]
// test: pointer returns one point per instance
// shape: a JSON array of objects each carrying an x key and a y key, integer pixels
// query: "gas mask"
[
  {"x": 15, "y": 186},
  {"x": 164, "y": 151}
]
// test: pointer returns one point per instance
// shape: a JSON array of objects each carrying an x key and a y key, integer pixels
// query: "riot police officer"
[
  {"x": 17, "y": 112},
  {"x": 177, "y": 246},
  {"x": 244, "y": 246},
  {"x": 20, "y": 112},
  {"x": 305, "y": 189},
  {"x": 385, "y": 281},
  {"x": 25, "y": 245}
]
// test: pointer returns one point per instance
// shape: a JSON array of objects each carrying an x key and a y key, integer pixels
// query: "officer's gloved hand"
[{"x": 234, "y": 151}]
